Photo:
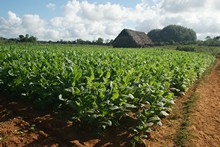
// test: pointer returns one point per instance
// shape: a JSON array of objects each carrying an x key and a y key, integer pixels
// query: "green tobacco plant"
[{"x": 101, "y": 85}]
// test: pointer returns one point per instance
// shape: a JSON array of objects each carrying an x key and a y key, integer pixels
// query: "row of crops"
[{"x": 102, "y": 85}]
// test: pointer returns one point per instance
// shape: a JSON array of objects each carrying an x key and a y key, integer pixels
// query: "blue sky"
[
  {"x": 90, "y": 19},
  {"x": 22, "y": 7}
]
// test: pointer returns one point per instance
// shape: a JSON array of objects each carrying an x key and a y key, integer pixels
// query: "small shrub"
[{"x": 186, "y": 48}]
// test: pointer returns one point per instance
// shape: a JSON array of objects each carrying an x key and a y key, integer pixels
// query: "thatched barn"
[{"x": 132, "y": 39}]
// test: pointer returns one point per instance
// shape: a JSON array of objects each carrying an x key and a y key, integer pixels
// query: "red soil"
[{"x": 206, "y": 119}]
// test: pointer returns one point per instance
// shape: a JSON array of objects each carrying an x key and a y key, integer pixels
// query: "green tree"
[
  {"x": 215, "y": 41},
  {"x": 21, "y": 38},
  {"x": 32, "y": 39},
  {"x": 217, "y": 38},
  {"x": 178, "y": 34},
  {"x": 208, "y": 38},
  {"x": 26, "y": 38},
  {"x": 154, "y": 35},
  {"x": 173, "y": 34},
  {"x": 80, "y": 41},
  {"x": 100, "y": 41}
]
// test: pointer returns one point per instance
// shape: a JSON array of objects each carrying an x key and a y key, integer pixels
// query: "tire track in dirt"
[{"x": 205, "y": 118}]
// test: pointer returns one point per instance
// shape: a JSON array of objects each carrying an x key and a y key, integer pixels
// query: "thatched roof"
[{"x": 130, "y": 38}]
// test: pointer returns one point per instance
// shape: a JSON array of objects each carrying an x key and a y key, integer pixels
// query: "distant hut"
[{"x": 132, "y": 39}]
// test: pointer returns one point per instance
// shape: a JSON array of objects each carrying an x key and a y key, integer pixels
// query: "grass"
[{"x": 184, "y": 134}]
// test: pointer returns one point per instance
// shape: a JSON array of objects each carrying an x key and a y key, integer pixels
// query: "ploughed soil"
[{"x": 23, "y": 125}]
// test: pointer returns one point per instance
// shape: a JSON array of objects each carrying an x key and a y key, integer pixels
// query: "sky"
[{"x": 90, "y": 19}]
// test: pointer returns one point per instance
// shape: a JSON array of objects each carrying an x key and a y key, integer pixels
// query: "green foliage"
[
  {"x": 102, "y": 85},
  {"x": 212, "y": 50},
  {"x": 2, "y": 40},
  {"x": 186, "y": 48},
  {"x": 154, "y": 35},
  {"x": 215, "y": 41},
  {"x": 173, "y": 34},
  {"x": 26, "y": 38},
  {"x": 100, "y": 41}
]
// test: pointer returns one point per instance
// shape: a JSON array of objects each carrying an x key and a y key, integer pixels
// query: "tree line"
[
  {"x": 209, "y": 41},
  {"x": 169, "y": 35},
  {"x": 99, "y": 41},
  {"x": 21, "y": 38},
  {"x": 32, "y": 39}
]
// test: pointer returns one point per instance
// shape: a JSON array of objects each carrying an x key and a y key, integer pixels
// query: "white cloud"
[
  {"x": 86, "y": 20},
  {"x": 200, "y": 15},
  {"x": 13, "y": 25},
  {"x": 90, "y": 20},
  {"x": 181, "y": 5},
  {"x": 51, "y": 6},
  {"x": 10, "y": 26},
  {"x": 13, "y": 19},
  {"x": 33, "y": 23}
]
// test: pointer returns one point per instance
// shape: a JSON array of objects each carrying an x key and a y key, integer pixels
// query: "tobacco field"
[{"x": 101, "y": 85}]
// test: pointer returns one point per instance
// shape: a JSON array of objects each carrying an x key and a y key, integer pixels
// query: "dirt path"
[
  {"x": 205, "y": 118},
  {"x": 21, "y": 125}
]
